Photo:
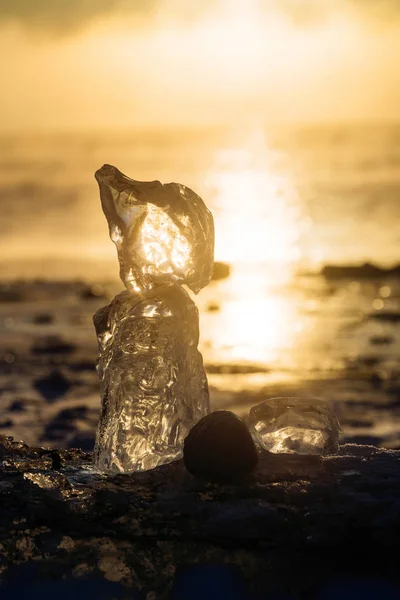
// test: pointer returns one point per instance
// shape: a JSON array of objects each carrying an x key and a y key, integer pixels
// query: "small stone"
[
  {"x": 220, "y": 449},
  {"x": 221, "y": 271},
  {"x": 44, "y": 318},
  {"x": 213, "y": 307},
  {"x": 55, "y": 460},
  {"x": 295, "y": 426}
]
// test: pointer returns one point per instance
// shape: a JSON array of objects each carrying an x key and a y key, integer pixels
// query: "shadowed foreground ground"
[{"x": 297, "y": 525}]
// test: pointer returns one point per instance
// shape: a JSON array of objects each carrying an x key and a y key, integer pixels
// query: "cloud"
[
  {"x": 309, "y": 12},
  {"x": 66, "y": 15},
  {"x": 385, "y": 11}
]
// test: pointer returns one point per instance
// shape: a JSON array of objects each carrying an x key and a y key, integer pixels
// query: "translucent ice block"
[
  {"x": 152, "y": 378},
  {"x": 295, "y": 425},
  {"x": 163, "y": 233}
]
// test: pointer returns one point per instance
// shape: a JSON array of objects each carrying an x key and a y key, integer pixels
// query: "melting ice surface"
[
  {"x": 153, "y": 383},
  {"x": 163, "y": 233},
  {"x": 152, "y": 378},
  {"x": 295, "y": 425}
]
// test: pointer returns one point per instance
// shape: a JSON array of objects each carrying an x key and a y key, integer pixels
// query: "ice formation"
[
  {"x": 163, "y": 233},
  {"x": 153, "y": 382},
  {"x": 295, "y": 425}
]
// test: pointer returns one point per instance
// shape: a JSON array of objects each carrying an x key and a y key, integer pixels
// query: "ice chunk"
[
  {"x": 152, "y": 378},
  {"x": 153, "y": 382},
  {"x": 163, "y": 233},
  {"x": 295, "y": 425}
]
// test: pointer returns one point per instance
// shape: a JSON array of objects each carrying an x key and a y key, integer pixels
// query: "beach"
[{"x": 286, "y": 204}]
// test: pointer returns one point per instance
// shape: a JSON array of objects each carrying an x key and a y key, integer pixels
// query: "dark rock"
[
  {"x": 386, "y": 316},
  {"x": 219, "y": 448},
  {"x": 381, "y": 340},
  {"x": 43, "y": 319},
  {"x": 52, "y": 344},
  {"x": 53, "y": 386},
  {"x": 221, "y": 271},
  {"x": 364, "y": 271},
  {"x": 369, "y": 361},
  {"x": 4, "y": 423},
  {"x": 213, "y": 307},
  {"x": 55, "y": 460}
]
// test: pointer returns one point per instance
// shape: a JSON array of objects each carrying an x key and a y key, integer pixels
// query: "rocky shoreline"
[{"x": 295, "y": 524}]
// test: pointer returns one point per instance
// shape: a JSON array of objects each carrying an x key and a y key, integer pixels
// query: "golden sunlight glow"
[
  {"x": 257, "y": 211},
  {"x": 163, "y": 245},
  {"x": 257, "y": 323},
  {"x": 258, "y": 225}
]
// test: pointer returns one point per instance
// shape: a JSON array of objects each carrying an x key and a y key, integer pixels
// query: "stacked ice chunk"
[{"x": 153, "y": 383}]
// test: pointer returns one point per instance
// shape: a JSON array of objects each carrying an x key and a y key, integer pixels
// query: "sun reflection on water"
[
  {"x": 256, "y": 322},
  {"x": 258, "y": 229},
  {"x": 257, "y": 326},
  {"x": 256, "y": 208}
]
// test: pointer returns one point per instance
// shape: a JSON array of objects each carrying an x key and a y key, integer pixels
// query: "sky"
[{"x": 91, "y": 64}]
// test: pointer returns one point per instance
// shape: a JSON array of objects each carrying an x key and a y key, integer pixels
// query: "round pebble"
[{"x": 220, "y": 449}]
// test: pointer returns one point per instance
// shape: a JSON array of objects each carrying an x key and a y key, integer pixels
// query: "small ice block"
[{"x": 295, "y": 426}]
